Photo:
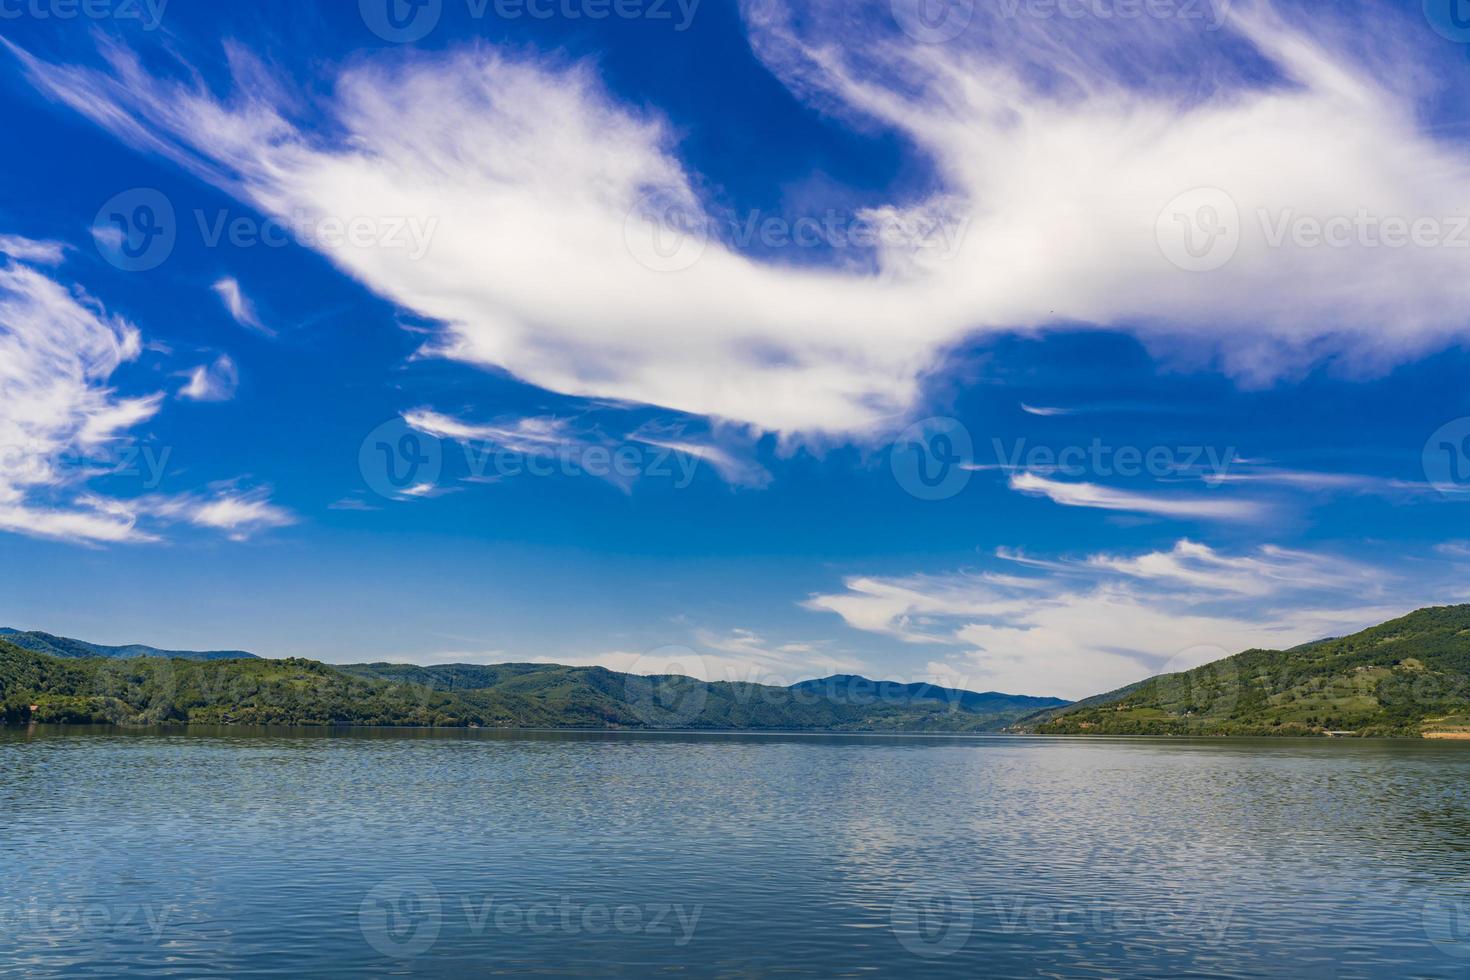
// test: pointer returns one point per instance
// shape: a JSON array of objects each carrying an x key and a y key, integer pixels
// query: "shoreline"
[{"x": 338, "y": 729}]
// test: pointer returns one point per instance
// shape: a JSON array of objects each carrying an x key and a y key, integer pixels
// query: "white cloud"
[
  {"x": 1073, "y": 628},
  {"x": 32, "y": 251},
  {"x": 738, "y": 656},
  {"x": 58, "y": 350},
  {"x": 541, "y": 436},
  {"x": 735, "y": 467},
  {"x": 446, "y": 657},
  {"x": 1269, "y": 570},
  {"x": 1318, "y": 480},
  {"x": 746, "y": 656},
  {"x": 239, "y": 513},
  {"x": 532, "y": 435},
  {"x": 239, "y": 305},
  {"x": 1045, "y": 411},
  {"x": 530, "y": 171},
  {"x": 1158, "y": 504},
  {"x": 214, "y": 382},
  {"x": 59, "y": 421},
  {"x": 548, "y": 436}
]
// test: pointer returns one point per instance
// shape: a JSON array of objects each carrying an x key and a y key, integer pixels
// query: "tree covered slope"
[
  {"x": 64, "y": 646},
  {"x": 1409, "y": 676},
  {"x": 157, "y": 690}
]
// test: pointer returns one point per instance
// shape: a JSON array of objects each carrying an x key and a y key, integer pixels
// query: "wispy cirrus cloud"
[
  {"x": 34, "y": 252},
  {"x": 737, "y": 467},
  {"x": 214, "y": 382},
  {"x": 1247, "y": 472},
  {"x": 58, "y": 351},
  {"x": 227, "y": 288},
  {"x": 533, "y": 435},
  {"x": 550, "y": 436},
  {"x": 1157, "y": 504},
  {"x": 542, "y": 180},
  {"x": 239, "y": 513}
]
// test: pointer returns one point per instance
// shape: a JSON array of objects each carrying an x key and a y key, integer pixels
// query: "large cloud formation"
[{"x": 1070, "y": 190}]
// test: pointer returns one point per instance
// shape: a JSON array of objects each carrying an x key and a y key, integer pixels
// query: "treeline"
[{"x": 159, "y": 691}]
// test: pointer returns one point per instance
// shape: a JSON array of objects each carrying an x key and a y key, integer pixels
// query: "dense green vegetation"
[
  {"x": 1406, "y": 677},
  {"x": 157, "y": 690},
  {"x": 64, "y": 646}
]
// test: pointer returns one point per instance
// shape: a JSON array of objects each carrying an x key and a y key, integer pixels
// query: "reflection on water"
[{"x": 384, "y": 852}]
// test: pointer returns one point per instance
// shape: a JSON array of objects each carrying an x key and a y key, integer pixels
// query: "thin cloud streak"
[{"x": 1156, "y": 504}]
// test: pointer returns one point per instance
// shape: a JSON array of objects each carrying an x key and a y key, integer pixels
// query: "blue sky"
[{"x": 1017, "y": 346}]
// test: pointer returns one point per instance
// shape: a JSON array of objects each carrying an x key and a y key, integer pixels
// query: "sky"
[{"x": 1031, "y": 345}]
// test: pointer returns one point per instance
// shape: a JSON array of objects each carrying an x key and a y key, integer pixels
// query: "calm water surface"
[{"x": 294, "y": 853}]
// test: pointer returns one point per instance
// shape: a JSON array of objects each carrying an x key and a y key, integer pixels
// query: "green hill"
[
  {"x": 64, "y": 646},
  {"x": 1409, "y": 676},
  {"x": 157, "y": 690}
]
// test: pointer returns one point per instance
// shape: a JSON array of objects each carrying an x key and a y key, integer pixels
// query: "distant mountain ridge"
[
  {"x": 855, "y": 687},
  {"x": 147, "y": 689},
  {"x": 65, "y": 646},
  {"x": 1406, "y": 677}
]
